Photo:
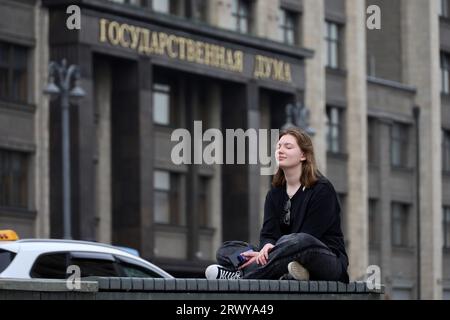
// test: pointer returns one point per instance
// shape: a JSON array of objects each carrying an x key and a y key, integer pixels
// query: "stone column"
[
  {"x": 40, "y": 72},
  {"x": 254, "y": 181},
  {"x": 313, "y": 25},
  {"x": 355, "y": 47},
  {"x": 83, "y": 171},
  {"x": 214, "y": 101},
  {"x": 103, "y": 151},
  {"x": 266, "y": 19},
  {"x": 420, "y": 25},
  {"x": 146, "y": 155},
  {"x": 220, "y": 13}
]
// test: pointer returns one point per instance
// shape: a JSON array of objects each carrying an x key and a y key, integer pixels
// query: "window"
[
  {"x": 372, "y": 143},
  {"x": 332, "y": 45},
  {"x": 288, "y": 26},
  {"x": 373, "y": 230},
  {"x": 13, "y": 72},
  {"x": 130, "y": 268},
  {"x": 203, "y": 202},
  {"x": 334, "y": 130},
  {"x": 400, "y": 224},
  {"x": 399, "y": 145},
  {"x": 443, "y": 8},
  {"x": 166, "y": 199},
  {"x": 161, "y": 104},
  {"x": 13, "y": 179},
  {"x": 446, "y": 224},
  {"x": 50, "y": 266},
  {"x": 445, "y": 70},
  {"x": 198, "y": 10},
  {"x": 6, "y": 257},
  {"x": 240, "y": 12},
  {"x": 446, "y": 150},
  {"x": 162, "y": 6},
  {"x": 95, "y": 264}
]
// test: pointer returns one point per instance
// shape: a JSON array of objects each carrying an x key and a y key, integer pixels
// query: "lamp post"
[{"x": 64, "y": 76}]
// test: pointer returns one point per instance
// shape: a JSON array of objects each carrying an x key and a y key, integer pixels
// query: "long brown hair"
[{"x": 310, "y": 173}]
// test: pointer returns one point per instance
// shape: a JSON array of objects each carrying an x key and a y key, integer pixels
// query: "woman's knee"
[{"x": 303, "y": 238}]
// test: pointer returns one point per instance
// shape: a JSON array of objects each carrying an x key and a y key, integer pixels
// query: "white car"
[{"x": 50, "y": 259}]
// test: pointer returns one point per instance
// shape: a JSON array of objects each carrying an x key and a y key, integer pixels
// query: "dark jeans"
[{"x": 313, "y": 254}]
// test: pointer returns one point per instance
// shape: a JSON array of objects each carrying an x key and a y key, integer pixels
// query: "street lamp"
[
  {"x": 297, "y": 115},
  {"x": 63, "y": 89}
]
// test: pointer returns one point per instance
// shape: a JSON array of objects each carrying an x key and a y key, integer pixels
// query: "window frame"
[
  {"x": 446, "y": 151},
  {"x": 372, "y": 141},
  {"x": 157, "y": 88},
  {"x": 238, "y": 17},
  {"x": 14, "y": 185},
  {"x": 11, "y": 69},
  {"x": 404, "y": 221},
  {"x": 175, "y": 218},
  {"x": 445, "y": 72},
  {"x": 373, "y": 211},
  {"x": 339, "y": 126},
  {"x": 329, "y": 41},
  {"x": 285, "y": 15},
  {"x": 402, "y": 141}
]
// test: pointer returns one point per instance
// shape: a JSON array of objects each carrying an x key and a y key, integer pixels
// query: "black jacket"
[{"x": 318, "y": 215}]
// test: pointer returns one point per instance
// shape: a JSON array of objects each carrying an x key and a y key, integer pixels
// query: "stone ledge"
[
  {"x": 148, "y": 288},
  {"x": 232, "y": 286},
  {"x": 45, "y": 285}
]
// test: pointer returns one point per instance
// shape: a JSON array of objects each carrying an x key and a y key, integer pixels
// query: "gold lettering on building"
[
  {"x": 170, "y": 49},
  {"x": 149, "y": 42},
  {"x": 134, "y": 36},
  {"x": 272, "y": 69},
  {"x": 103, "y": 30},
  {"x": 124, "y": 41},
  {"x": 113, "y": 33}
]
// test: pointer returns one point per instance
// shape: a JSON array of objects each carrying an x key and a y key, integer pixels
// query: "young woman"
[{"x": 301, "y": 236}]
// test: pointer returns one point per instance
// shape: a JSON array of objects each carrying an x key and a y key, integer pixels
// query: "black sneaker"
[{"x": 216, "y": 271}]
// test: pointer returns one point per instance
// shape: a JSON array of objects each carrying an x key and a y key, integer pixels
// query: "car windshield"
[{"x": 6, "y": 257}]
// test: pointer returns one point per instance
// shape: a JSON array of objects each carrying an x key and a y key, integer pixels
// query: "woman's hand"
[
  {"x": 263, "y": 255},
  {"x": 260, "y": 257},
  {"x": 251, "y": 257}
]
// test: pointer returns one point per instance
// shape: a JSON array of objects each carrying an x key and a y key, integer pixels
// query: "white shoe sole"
[{"x": 297, "y": 271}]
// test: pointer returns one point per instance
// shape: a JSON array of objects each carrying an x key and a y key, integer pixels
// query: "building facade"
[{"x": 378, "y": 101}]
